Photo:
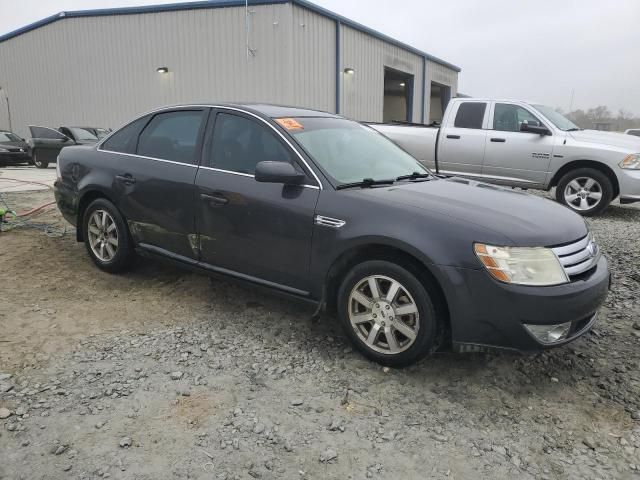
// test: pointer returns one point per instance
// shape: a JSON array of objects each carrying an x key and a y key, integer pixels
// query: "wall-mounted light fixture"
[
  {"x": 162, "y": 69},
  {"x": 403, "y": 84},
  {"x": 349, "y": 71}
]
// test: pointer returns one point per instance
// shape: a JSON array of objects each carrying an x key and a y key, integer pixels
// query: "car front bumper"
[
  {"x": 629, "y": 181},
  {"x": 488, "y": 314},
  {"x": 14, "y": 157}
]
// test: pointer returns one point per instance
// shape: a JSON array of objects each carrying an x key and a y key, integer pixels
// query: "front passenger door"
[
  {"x": 513, "y": 157},
  {"x": 47, "y": 143},
  {"x": 260, "y": 231}
]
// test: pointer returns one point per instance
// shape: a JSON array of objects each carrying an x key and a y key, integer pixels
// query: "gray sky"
[{"x": 533, "y": 49}]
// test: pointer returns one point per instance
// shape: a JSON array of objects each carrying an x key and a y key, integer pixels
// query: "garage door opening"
[
  {"x": 439, "y": 99},
  {"x": 398, "y": 96}
]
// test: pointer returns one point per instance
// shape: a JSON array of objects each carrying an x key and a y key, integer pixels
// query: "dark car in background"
[
  {"x": 47, "y": 142},
  {"x": 13, "y": 149},
  {"x": 330, "y": 211}
]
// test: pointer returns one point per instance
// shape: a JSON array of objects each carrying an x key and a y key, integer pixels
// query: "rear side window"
[
  {"x": 470, "y": 115},
  {"x": 125, "y": 139},
  {"x": 240, "y": 143},
  {"x": 172, "y": 136}
]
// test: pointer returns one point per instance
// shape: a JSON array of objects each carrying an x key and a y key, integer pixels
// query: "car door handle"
[
  {"x": 216, "y": 199},
  {"x": 127, "y": 179},
  {"x": 454, "y": 137},
  {"x": 498, "y": 140}
]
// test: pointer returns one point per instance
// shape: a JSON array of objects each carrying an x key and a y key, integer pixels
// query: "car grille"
[{"x": 578, "y": 257}]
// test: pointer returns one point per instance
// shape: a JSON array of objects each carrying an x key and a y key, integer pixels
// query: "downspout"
[
  {"x": 424, "y": 87},
  {"x": 338, "y": 66}
]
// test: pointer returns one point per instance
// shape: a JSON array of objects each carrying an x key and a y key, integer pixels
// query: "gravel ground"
[{"x": 161, "y": 373}]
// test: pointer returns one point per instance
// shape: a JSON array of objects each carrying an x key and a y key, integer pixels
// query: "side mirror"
[
  {"x": 533, "y": 128},
  {"x": 278, "y": 172}
]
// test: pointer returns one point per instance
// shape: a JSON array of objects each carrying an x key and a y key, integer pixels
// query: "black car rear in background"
[
  {"x": 13, "y": 149},
  {"x": 327, "y": 210}
]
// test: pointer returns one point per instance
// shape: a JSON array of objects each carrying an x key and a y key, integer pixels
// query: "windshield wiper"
[
  {"x": 573, "y": 130},
  {"x": 413, "y": 176},
  {"x": 365, "y": 183}
]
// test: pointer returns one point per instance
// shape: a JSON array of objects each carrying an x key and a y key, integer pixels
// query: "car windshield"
[
  {"x": 102, "y": 132},
  {"x": 350, "y": 152},
  {"x": 9, "y": 137},
  {"x": 559, "y": 120},
  {"x": 82, "y": 134}
]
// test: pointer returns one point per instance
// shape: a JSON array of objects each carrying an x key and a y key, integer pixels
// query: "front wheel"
[
  {"x": 35, "y": 158},
  {"x": 106, "y": 236},
  {"x": 387, "y": 313},
  {"x": 586, "y": 191}
]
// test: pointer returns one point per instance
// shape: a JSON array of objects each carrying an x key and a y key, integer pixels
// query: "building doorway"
[
  {"x": 398, "y": 96},
  {"x": 438, "y": 101}
]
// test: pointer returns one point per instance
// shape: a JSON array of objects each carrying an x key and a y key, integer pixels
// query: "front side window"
[
  {"x": 172, "y": 136},
  {"x": 350, "y": 152},
  {"x": 509, "y": 118},
  {"x": 125, "y": 140},
  {"x": 239, "y": 144},
  {"x": 470, "y": 115},
  {"x": 46, "y": 133}
]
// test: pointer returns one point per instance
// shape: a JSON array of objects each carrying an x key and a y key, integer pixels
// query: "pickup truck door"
[
  {"x": 257, "y": 231},
  {"x": 461, "y": 144},
  {"x": 513, "y": 157}
]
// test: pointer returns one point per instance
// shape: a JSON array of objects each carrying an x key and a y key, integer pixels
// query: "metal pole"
[{"x": 8, "y": 111}]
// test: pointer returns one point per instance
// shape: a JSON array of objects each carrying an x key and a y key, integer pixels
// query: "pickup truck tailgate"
[{"x": 419, "y": 141}]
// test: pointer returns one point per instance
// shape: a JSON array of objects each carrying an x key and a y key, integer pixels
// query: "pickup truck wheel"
[
  {"x": 106, "y": 236},
  {"x": 37, "y": 162},
  {"x": 387, "y": 313},
  {"x": 585, "y": 190}
]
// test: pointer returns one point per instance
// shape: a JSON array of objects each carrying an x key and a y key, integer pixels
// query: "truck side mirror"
[{"x": 534, "y": 127}]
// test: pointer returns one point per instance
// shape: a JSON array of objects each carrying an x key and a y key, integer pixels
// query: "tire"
[
  {"x": 100, "y": 231},
  {"x": 38, "y": 163},
  {"x": 412, "y": 295},
  {"x": 586, "y": 191}
]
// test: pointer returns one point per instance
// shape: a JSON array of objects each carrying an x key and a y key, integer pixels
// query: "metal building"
[{"x": 102, "y": 67}]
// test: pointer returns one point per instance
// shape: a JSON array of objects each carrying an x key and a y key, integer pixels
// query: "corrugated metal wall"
[
  {"x": 363, "y": 92},
  {"x": 102, "y": 70}
]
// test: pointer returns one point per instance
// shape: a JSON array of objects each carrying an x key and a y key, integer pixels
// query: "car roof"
[{"x": 263, "y": 109}]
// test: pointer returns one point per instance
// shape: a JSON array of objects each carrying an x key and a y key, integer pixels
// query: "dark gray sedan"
[
  {"x": 327, "y": 210},
  {"x": 13, "y": 149}
]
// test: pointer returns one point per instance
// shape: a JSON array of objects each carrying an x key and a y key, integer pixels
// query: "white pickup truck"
[{"x": 521, "y": 144}]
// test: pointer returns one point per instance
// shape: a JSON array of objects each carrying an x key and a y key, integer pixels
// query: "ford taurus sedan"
[{"x": 327, "y": 210}]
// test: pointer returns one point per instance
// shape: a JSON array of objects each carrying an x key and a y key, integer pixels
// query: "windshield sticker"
[{"x": 289, "y": 124}]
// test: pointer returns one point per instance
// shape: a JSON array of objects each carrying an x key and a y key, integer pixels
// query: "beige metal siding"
[
  {"x": 363, "y": 92},
  {"x": 441, "y": 75},
  {"x": 314, "y": 60},
  {"x": 102, "y": 70}
]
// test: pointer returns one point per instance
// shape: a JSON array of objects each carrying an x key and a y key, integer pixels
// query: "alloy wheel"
[
  {"x": 383, "y": 314},
  {"x": 583, "y": 193},
  {"x": 103, "y": 235}
]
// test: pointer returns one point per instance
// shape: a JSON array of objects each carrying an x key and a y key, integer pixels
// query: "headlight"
[
  {"x": 631, "y": 162},
  {"x": 522, "y": 265}
]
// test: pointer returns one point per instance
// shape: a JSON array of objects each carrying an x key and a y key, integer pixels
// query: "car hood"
[
  {"x": 615, "y": 139},
  {"x": 524, "y": 219},
  {"x": 14, "y": 144}
]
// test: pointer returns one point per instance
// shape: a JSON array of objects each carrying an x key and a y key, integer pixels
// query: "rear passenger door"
[
  {"x": 154, "y": 178},
  {"x": 462, "y": 140}
]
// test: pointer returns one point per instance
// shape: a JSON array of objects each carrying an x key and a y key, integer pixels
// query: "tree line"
[{"x": 618, "y": 122}]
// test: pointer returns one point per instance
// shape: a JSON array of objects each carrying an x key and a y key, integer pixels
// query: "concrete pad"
[{"x": 15, "y": 179}]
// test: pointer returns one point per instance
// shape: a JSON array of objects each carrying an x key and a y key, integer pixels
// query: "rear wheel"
[
  {"x": 586, "y": 191},
  {"x": 106, "y": 236},
  {"x": 387, "y": 313},
  {"x": 37, "y": 162}
]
